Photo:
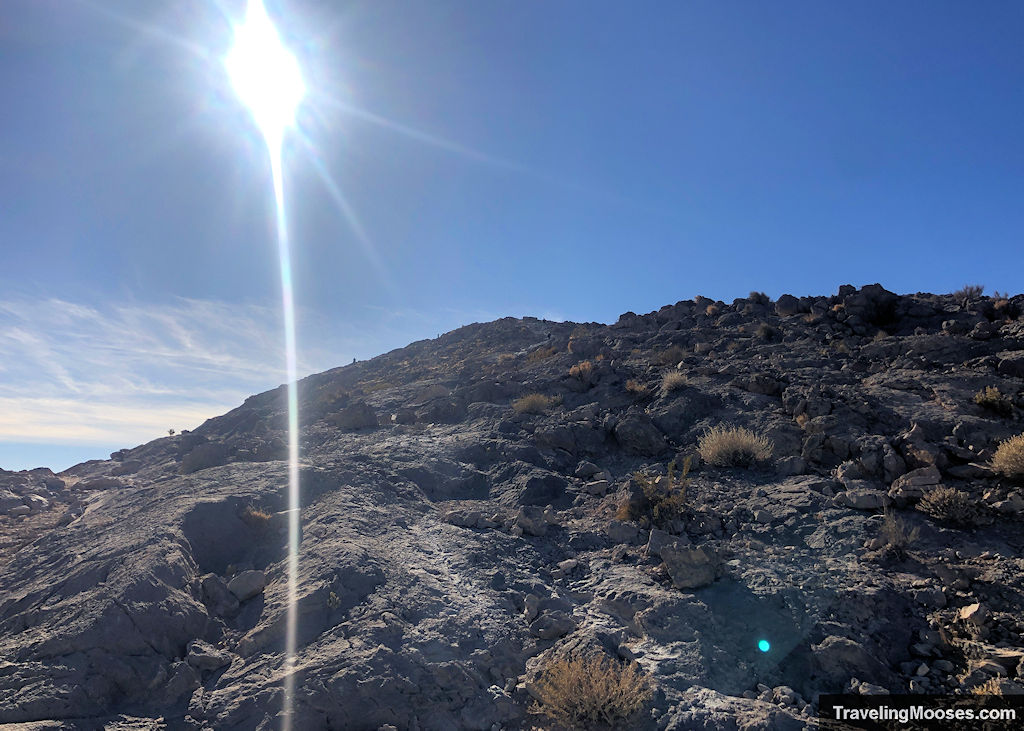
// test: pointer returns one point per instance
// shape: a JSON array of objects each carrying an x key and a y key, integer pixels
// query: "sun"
[{"x": 265, "y": 74}]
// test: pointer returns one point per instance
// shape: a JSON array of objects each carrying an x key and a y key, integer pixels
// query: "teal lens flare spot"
[{"x": 764, "y": 645}]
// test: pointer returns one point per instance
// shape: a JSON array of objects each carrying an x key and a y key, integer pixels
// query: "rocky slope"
[{"x": 455, "y": 538}]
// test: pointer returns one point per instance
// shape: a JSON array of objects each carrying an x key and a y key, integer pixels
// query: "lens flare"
[
  {"x": 268, "y": 80},
  {"x": 764, "y": 645},
  {"x": 265, "y": 74}
]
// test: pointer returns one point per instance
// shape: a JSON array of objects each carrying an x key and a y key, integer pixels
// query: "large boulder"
[
  {"x": 691, "y": 567},
  {"x": 640, "y": 436}
]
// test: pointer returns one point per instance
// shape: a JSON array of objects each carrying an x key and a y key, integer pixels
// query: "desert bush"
[
  {"x": 759, "y": 298},
  {"x": 992, "y": 686},
  {"x": 582, "y": 692},
  {"x": 534, "y": 403},
  {"x": 535, "y": 356},
  {"x": 635, "y": 387},
  {"x": 712, "y": 310},
  {"x": 672, "y": 381},
  {"x": 255, "y": 517},
  {"x": 950, "y": 505},
  {"x": 1009, "y": 457},
  {"x": 992, "y": 399},
  {"x": 969, "y": 292},
  {"x": 738, "y": 446},
  {"x": 895, "y": 534},
  {"x": 582, "y": 371},
  {"x": 670, "y": 356},
  {"x": 765, "y": 332}
]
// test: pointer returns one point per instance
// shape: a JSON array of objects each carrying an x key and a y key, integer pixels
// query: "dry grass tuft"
[
  {"x": 534, "y": 403},
  {"x": 672, "y": 381},
  {"x": 1009, "y": 457},
  {"x": 950, "y": 505},
  {"x": 895, "y": 534},
  {"x": 992, "y": 399},
  {"x": 584, "y": 692},
  {"x": 969, "y": 292},
  {"x": 535, "y": 356},
  {"x": 255, "y": 517},
  {"x": 670, "y": 357},
  {"x": 725, "y": 446},
  {"x": 635, "y": 387},
  {"x": 992, "y": 686}
]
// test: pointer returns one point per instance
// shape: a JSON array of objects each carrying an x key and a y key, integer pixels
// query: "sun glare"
[{"x": 265, "y": 74}]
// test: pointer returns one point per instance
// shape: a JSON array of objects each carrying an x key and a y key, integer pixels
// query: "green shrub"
[
  {"x": 725, "y": 446},
  {"x": 583, "y": 692}
]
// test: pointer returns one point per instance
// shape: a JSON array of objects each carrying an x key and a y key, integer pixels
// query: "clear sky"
[{"x": 462, "y": 161}]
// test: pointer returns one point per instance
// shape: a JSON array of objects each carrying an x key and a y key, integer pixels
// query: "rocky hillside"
[{"x": 478, "y": 506}]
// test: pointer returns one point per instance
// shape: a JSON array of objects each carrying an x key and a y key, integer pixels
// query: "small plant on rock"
[
  {"x": 949, "y": 505},
  {"x": 670, "y": 357},
  {"x": 256, "y": 517},
  {"x": 582, "y": 371},
  {"x": 766, "y": 332},
  {"x": 1009, "y": 457},
  {"x": 992, "y": 399},
  {"x": 536, "y": 356},
  {"x": 534, "y": 403},
  {"x": 582, "y": 692},
  {"x": 725, "y": 446},
  {"x": 672, "y": 381}
]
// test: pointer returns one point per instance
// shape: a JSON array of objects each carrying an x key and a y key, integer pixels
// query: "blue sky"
[{"x": 570, "y": 160}]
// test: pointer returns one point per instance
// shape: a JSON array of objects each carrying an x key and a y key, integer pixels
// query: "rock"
[
  {"x": 914, "y": 484},
  {"x": 862, "y": 499},
  {"x": 19, "y": 510},
  {"x": 37, "y": 503},
  {"x": 619, "y": 532},
  {"x": 691, "y": 568},
  {"x": 640, "y": 436},
  {"x": 787, "y": 305},
  {"x": 354, "y": 417},
  {"x": 597, "y": 487},
  {"x": 552, "y": 625},
  {"x": 976, "y": 614},
  {"x": 218, "y": 597},
  {"x": 247, "y": 584},
  {"x": 788, "y": 466},
  {"x": 586, "y": 470},
  {"x": 204, "y": 656},
  {"x": 839, "y": 658},
  {"x": 8, "y": 501},
  {"x": 532, "y": 520},
  {"x": 1011, "y": 364}
]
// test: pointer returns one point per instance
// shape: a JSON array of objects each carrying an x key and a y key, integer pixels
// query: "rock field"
[{"x": 479, "y": 505}]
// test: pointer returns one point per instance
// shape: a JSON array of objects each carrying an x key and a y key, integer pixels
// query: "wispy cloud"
[{"x": 124, "y": 373}]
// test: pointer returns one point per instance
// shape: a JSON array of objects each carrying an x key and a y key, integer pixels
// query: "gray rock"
[
  {"x": 247, "y": 584},
  {"x": 640, "y": 436},
  {"x": 552, "y": 625},
  {"x": 862, "y": 498},
  {"x": 619, "y": 532},
  {"x": 691, "y": 568},
  {"x": 532, "y": 520},
  {"x": 218, "y": 597},
  {"x": 204, "y": 656}
]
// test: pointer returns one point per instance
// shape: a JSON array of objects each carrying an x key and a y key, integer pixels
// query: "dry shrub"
[
  {"x": 582, "y": 371},
  {"x": 766, "y": 332},
  {"x": 992, "y": 686},
  {"x": 255, "y": 517},
  {"x": 1009, "y": 457},
  {"x": 950, "y": 505},
  {"x": 759, "y": 298},
  {"x": 534, "y": 403},
  {"x": 969, "y": 292},
  {"x": 670, "y": 357},
  {"x": 582, "y": 692},
  {"x": 712, "y": 310},
  {"x": 672, "y": 381},
  {"x": 895, "y": 534},
  {"x": 992, "y": 399},
  {"x": 725, "y": 446},
  {"x": 635, "y": 387},
  {"x": 535, "y": 356}
]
